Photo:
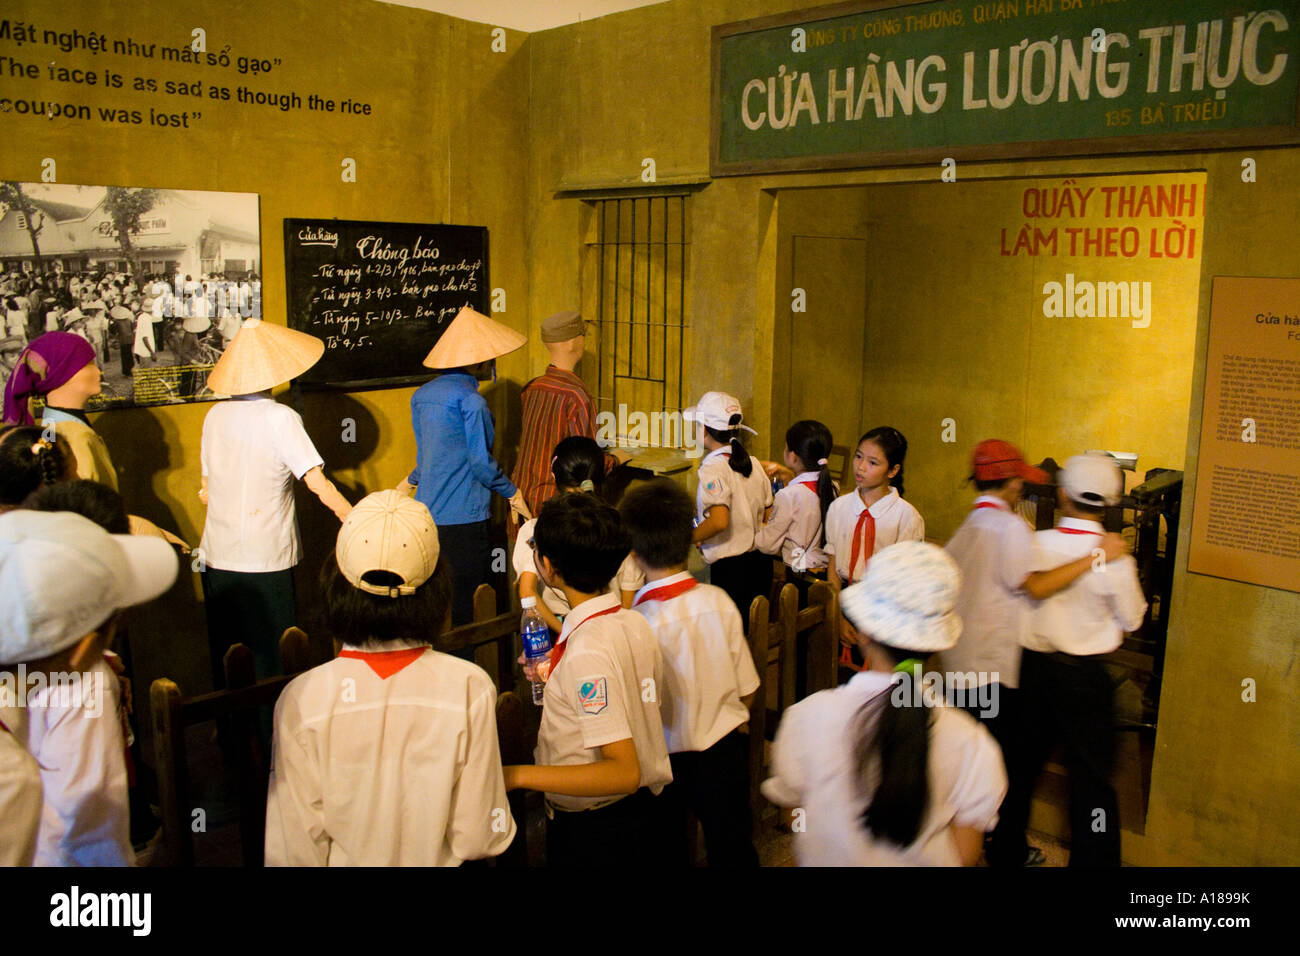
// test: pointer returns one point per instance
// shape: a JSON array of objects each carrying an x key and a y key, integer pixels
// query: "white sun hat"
[
  {"x": 906, "y": 598},
  {"x": 62, "y": 576}
]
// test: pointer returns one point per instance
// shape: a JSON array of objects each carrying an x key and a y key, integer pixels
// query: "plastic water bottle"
[{"x": 537, "y": 641}]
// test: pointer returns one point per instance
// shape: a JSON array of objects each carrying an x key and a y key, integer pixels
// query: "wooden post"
[
  {"x": 789, "y": 644},
  {"x": 758, "y": 638},
  {"x": 510, "y": 739},
  {"x": 251, "y": 760},
  {"x": 487, "y": 656},
  {"x": 295, "y": 655},
  {"x": 169, "y": 759},
  {"x": 823, "y": 640}
]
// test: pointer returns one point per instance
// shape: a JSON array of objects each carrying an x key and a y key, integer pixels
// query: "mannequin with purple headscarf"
[{"x": 60, "y": 369}]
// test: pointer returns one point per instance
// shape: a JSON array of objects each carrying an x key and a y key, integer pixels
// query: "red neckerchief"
[
  {"x": 386, "y": 663},
  {"x": 864, "y": 540},
  {"x": 5, "y": 728},
  {"x": 665, "y": 592},
  {"x": 990, "y": 504},
  {"x": 810, "y": 485},
  {"x": 558, "y": 650},
  {"x": 1079, "y": 531}
]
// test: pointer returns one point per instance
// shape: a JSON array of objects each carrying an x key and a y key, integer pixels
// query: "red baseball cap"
[{"x": 997, "y": 460}]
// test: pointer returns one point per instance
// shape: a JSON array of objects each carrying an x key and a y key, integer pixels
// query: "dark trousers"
[
  {"x": 1071, "y": 700},
  {"x": 1001, "y": 718},
  {"x": 469, "y": 549},
  {"x": 248, "y": 608},
  {"x": 744, "y": 577},
  {"x": 623, "y": 835},
  {"x": 714, "y": 785}
]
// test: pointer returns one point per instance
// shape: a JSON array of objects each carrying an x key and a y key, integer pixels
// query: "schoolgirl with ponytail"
[
  {"x": 731, "y": 502},
  {"x": 886, "y": 773},
  {"x": 28, "y": 462},
  {"x": 796, "y": 528},
  {"x": 577, "y": 464}
]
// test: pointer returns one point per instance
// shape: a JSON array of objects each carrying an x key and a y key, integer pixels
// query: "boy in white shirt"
[
  {"x": 1066, "y": 690},
  {"x": 709, "y": 676},
  {"x": 63, "y": 582},
  {"x": 387, "y": 755},
  {"x": 993, "y": 548},
  {"x": 601, "y": 757}
]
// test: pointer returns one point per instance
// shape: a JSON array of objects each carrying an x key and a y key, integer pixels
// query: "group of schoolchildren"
[
  {"x": 649, "y": 681},
  {"x": 388, "y": 754}
]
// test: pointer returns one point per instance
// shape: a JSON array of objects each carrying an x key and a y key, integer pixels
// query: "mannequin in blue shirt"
[{"x": 455, "y": 473}]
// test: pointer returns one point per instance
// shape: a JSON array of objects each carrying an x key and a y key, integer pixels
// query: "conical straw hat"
[
  {"x": 261, "y": 356},
  {"x": 472, "y": 338}
]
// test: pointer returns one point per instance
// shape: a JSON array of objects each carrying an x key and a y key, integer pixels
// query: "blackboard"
[{"x": 379, "y": 294}]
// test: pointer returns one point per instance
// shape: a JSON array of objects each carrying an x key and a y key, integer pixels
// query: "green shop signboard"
[{"x": 863, "y": 85}]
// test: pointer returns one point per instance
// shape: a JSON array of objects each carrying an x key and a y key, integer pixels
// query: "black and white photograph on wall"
[{"x": 157, "y": 281}]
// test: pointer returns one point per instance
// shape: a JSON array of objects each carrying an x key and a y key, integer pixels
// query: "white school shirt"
[
  {"x": 896, "y": 520},
  {"x": 629, "y": 577},
  {"x": 707, "y": 663},
  {"x": 795, "y": 521},
  {"x": 603, "y": 690},
  {"x": 815, "y": 768},
  {"x": 402, "y": 770},
  {"x": 20, "y": 792},
  {"x": 994, "y": 549},
  {"x": 1092, "y": 615},
  {"x": 253, "y": 448},
  {"x": 747, "y": 499},
  {"x": 75, "y": 734}
]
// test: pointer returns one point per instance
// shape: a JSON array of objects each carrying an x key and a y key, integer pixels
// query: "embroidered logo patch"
[
  {"x": 592, "y": 694},
  {"x": 713, "y": 487}
]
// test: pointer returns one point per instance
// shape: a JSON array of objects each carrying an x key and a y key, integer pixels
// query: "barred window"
[{"x": 634, "y": 273}]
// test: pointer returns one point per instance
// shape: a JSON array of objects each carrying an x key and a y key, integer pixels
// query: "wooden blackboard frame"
[
  {"x": 1100, "y": 146},
  {"x": 392, "y": 381}
]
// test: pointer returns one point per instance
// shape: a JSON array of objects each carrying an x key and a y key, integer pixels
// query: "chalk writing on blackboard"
[{"x": 380, "y": 293}]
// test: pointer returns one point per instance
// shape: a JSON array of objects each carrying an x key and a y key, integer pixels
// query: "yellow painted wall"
[
  {"x": 472, "y": 136},
  {"x": 955, "y": 329},
  {"x": 446, "y": 143},
  {"x": 1225, "y": 782}
]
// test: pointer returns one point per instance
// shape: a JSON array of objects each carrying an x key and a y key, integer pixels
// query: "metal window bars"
[{"x": 635, "y": 272}]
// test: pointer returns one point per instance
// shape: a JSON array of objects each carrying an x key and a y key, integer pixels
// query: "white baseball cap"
[
  {"x": 62, "y": 576},
  {"x": 715, "y": 410},
  {"x": 1092, "y": 480},
  {"x": 387, "y": 531},
  {"x": 906, "y": 598}
]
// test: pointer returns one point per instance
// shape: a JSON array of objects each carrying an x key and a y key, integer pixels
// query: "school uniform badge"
[
  {"x": 713, "y": 486},
  {"x": 593, "y": 694}
]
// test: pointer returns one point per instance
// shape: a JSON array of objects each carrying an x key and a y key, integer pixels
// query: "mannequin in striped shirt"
[{"x": 555, "y": 405}]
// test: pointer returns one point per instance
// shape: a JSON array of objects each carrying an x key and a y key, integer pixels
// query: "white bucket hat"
[
  {"x": 715, "y": 410},
  {"x": 387, "y": 531},
  {"x": 62, "y": 576},
  {"x": 906, "y": 598}
]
